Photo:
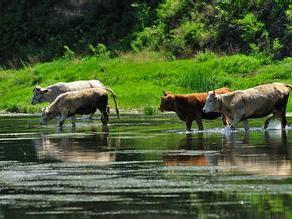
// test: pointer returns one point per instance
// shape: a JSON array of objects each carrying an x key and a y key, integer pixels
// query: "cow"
[
  {"x": 85, "y": 101},
  {"x": 256, "y": 102},
  {"x": 50, "y": 93},
  {"x": 188, "y": 107}
]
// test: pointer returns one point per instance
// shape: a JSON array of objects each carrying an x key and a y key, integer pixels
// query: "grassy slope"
[{"x": 139, "y": 82}]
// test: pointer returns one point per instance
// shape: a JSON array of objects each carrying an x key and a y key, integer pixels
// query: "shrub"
[
  {"x": 149, "y": 110},
  {"x": 68, "y": 53},
  {"x": 149, "y": 37},
  {"x": 99, "y": 51},
  {"x": 250, "y": 27}
]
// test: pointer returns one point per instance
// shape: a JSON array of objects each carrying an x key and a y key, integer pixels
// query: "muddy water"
[{"x": 143, "y": 167}]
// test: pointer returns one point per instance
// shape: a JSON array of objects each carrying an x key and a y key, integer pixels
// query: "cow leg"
[
  {"x": 61, "y": 120},
  {"x": 103, "y": 107},
  {"x": 108, "y": 109},
  {"x": 104, "y": 118},
  {"x": 268, "y": 121},
  {"x": 91, "y": 115},
  {"x": 200, "y": 124},
  {"x": 234, "y": 123},
  {"x": 283, "y": 121},
  {"x": 245, "y": 124},
  {"x": 189, "y": 125},
  {"x": 225, "y": 120},
  {"x": 283, "y": 112},
  {"x": 73, "y": 121}
]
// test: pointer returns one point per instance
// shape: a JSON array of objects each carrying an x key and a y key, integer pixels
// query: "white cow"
[
  {"x": 254, "y": 102},
  {"x": 50, "y": 93}
]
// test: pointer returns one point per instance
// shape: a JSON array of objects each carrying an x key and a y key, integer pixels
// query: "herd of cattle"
[{"x": 85, "y": 97}]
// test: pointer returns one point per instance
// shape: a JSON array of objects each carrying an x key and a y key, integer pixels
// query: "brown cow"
[
  {"x": 254, "y": 102},
  {"x": 189, "y": 107}
]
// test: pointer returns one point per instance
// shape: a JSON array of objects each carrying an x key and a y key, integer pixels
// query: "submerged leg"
[
  {"x": 200, "y": 124},
  {"x": 234, "y": 123},
  {"x": 104, "y": 117},
  {"x": 61, "y": 120},
  {"x": 245, "y": 124},
  {"x": 283, "y": 113},
  {"x": 283, "y": 120},
  {"x": 91, "y": 115},
  {"x": 73, "y": 121},
  {"x": 268, "y": 121},
  {"x": 189, "y": 125}
]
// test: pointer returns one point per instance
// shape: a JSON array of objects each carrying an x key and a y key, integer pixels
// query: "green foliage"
[
  {"x": 149, "y": 111},
  {"x": 170, "y": 8},
  {"x": 68, "y": 53},
  {"x": 229, "y": 26},
  {"x": 99, "y": 51},
  {"x": 150, "y": 38},
  {"x": 30, "y": 33},
  {"x": 250, "y": 27}
]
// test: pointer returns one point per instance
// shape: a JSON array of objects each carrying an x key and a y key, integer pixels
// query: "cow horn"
[{"x": 164, "y": 93}]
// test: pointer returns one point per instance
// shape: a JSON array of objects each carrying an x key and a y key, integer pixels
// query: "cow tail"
[{"x": 114, "y": 97}]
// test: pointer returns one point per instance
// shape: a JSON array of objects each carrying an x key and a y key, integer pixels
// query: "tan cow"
[
  {"x": 85, "y": 101},
  {"x": 189, "y": 107},
  {"x": 254, "y": 102}
]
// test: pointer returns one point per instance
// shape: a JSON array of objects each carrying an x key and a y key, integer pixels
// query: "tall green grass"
[{"x": 139, "y": 82}]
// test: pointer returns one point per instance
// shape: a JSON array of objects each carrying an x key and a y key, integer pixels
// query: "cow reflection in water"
[
  {"x": 96, "y": 147},
  {"x": 252, "y": 156},
  {"x": 253, "y": 153},
  {"x": 197, "y": 157}
]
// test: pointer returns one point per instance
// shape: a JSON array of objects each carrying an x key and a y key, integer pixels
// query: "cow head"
[
  {"x": 45, "y": 116},
  {"x": 40, "y": 95},
  {"x": 212, "y": 103},
  {"x": 167, "y": 102}
]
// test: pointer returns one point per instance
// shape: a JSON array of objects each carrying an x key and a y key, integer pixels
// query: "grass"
[{"x": 139, "y": 82}]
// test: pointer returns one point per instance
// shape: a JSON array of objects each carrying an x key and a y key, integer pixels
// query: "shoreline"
[{"x": 122, "y": 112}]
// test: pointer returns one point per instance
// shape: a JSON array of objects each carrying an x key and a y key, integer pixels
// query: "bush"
[
  {"x": 68, "y": 53},
  {"x": 150, "y": 38},
  {"x": 251, "y": 28},
  {"x": 149, "y": 111},
  {"x": 99, "y": 51}
]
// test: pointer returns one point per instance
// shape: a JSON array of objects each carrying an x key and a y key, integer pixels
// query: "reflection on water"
[
  {"x": 91, "y": 148},
  {"x": 269, "y": 158},
  {"x": 142, "y": 167}
]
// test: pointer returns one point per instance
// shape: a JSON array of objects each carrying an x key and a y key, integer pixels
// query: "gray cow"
[
  {"x": 85, "y": 101},
  {"x": 50, "y": 93},
  {"x": 254, "y": 102}
]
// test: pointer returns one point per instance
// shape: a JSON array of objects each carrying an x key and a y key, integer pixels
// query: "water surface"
[{"x": 143, "y": 167}]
